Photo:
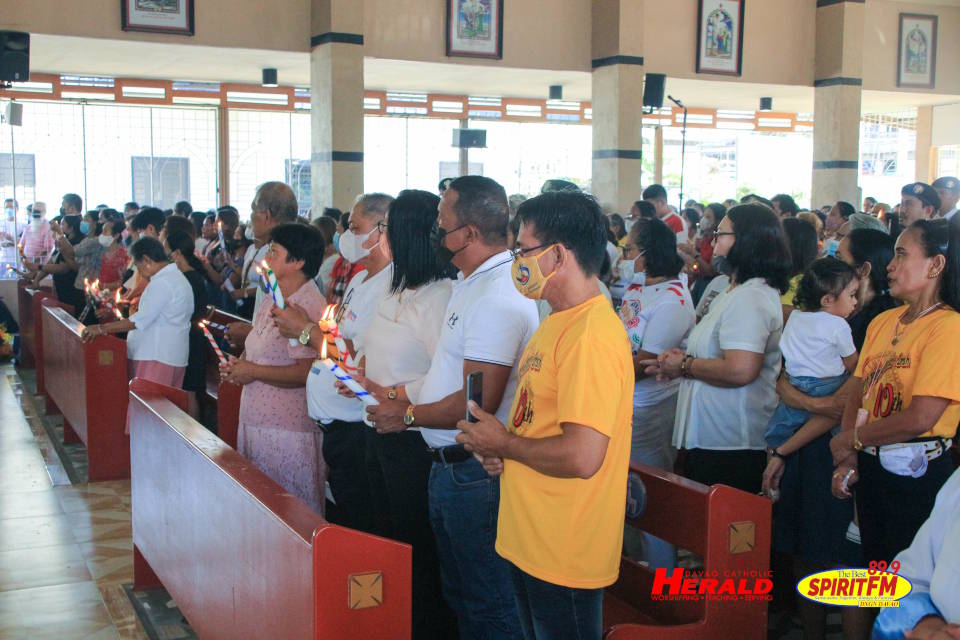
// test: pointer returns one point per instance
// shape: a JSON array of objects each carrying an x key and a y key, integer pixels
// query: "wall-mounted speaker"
[
  {"x": 13, "y": 114},
  {"x": 14, "y": 56},
  {"x": 653, "y": 90},
  {"x": 469, "y": 138}
]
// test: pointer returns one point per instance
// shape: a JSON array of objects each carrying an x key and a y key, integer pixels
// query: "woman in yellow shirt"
[{"x": 903, "y": 412}]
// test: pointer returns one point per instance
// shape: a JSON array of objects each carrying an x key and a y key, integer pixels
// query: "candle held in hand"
[{"x": 362, "y": 394}]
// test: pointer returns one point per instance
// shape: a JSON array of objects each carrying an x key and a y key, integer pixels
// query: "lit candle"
[
  {"x": 213, "y": 343},
  {"x": 223, "y": 243},
  {"x": 118, "y": 314},
  {"x": 362, "y": 394},
  {"x": 215, "y": 325},
  {"x": 274, "y": 285}
]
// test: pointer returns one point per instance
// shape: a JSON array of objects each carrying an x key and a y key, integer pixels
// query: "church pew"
[
  {"x": 26, "y": 296},
  {"x": 87, "y": 382},
  {"x": 728, "y": 528},
  {"x": 241, "y": 557},
  {"x": 39, "y": 302},
  {"x": 224, "y": 395}
]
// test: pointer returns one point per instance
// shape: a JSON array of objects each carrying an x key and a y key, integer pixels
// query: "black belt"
[{"x": 450, "y": 455}]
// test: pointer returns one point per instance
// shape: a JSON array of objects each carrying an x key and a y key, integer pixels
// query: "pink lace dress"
[{"x": 275, "y": 432}]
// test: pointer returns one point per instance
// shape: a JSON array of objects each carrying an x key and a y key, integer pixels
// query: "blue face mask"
[
  {"x": 84, "y": 227},
  {"x": 336, "y": 241},
  {"x": 831, "y": 247}
]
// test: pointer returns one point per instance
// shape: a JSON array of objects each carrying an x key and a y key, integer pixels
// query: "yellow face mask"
[{"x": 527, "y": 276}]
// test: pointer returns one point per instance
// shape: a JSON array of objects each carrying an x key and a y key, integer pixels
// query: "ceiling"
[{"x": 72, "y": 55}]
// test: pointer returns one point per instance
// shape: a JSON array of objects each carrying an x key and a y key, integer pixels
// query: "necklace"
[{"x": 898, "y": 332}]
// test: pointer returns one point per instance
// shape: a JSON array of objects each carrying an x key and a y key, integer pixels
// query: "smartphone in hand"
[{"x": 474, "y": 392}]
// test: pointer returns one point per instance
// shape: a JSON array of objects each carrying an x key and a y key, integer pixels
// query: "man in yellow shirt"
[{"x": 565, "y": 450}]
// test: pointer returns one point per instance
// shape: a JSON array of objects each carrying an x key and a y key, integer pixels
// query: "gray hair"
[
  {"x": 277, "y": 198},
  {"x": 373, "y": 204}
]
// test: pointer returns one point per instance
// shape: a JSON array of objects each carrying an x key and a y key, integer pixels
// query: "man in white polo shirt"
[{"x": 486, "y": 327}]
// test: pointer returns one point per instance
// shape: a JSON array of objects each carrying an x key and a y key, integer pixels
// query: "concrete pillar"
[
  {"x": 926, "y": 153},
  {"x": 837, "y": 90},
  {"x": 336, "y": 102},
  {"x": 617, "y": 97}
]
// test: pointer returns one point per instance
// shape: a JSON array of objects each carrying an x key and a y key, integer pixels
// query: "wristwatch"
[
  {"x": 408, "y": 417},
  {"x": 305, "y": 334}
]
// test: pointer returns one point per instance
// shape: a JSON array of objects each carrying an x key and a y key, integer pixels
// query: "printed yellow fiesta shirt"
[
  {"x": 577, "y": 368},
  {"x": 923, "y": 362}
]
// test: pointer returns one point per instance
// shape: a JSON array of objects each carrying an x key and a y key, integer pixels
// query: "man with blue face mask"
[
  {"x": 8, "y": 231},
  {"x": 838, "y": 216}
]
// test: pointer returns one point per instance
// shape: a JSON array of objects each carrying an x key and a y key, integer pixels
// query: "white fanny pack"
[{"x": 909, "y": 458}]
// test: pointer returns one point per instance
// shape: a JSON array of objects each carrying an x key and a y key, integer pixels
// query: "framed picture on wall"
[
  {"x": 720, "y": 37},
  {"x": 157, "y": 16},
  {"x": 917, "y": 53},
  {"x": 475, "y": 28}
]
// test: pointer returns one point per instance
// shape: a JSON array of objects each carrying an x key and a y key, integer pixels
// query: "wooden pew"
[
  {"x": 243, "y": 558},
  {"x": 728, "y": 528},
  {"x": 224, "y": 395},
  {"x": 26, "y": 296},
  {"x": 87, "y": 383},
  {"x": 39, "y": 302}
]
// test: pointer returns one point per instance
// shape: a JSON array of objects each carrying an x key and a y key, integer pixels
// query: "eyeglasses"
[
  {"x": 521, "y": 252},
  {"x": 382, "y": 226},
  {"x": 717, "y": 233},
  {"x": 631, "y": 248}
]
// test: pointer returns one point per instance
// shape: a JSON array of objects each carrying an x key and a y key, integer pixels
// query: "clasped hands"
[{"x": 237, "y": 371}]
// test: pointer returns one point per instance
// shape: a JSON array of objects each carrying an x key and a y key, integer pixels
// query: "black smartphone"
[{"x": 474, "y": 391}]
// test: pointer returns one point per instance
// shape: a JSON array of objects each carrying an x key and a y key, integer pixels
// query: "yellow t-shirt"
[
  {"x": 576, "y": 368},
  {"x": 924, "y": 362},
  {"x": 787, "y": 298}
]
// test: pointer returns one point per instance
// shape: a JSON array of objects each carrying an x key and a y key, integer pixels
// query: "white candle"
[{"x": 362, "y": 394}]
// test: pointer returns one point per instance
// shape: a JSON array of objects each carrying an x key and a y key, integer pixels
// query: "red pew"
[
  {"x": 728, "y": 528},
  {"x": 27, "y": 311},
  {"x": 241, "y": 557},
  {"x": 86, "y": 382},
  {"x": 225, "y": 395},
  {"x": 40, "y": 300}
]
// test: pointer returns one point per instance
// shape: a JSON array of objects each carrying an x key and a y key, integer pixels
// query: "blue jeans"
[
  {"x": 785, "y": 421},
  {"x": 464, "y": 503},
  {"x": 551, "y": 612}
]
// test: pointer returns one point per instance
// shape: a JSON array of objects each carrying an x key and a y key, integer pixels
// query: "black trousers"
[
  {"x": 344, "y": 448},
  {"x": 398, "y": 468},
  {"x": 738, "y": 468},
  {"x": 891, "y": 508}
]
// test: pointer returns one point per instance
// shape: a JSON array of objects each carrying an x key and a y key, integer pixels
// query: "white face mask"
[
  {"x": 105, "y": 240},
  {"x": 351, "y": 246}
]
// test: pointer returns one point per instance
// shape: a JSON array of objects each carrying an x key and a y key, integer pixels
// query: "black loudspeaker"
[
  {"x": 469, "y": 138},
  {"x": 653, "y": 90},
  {"x": 14, "y": 56}
]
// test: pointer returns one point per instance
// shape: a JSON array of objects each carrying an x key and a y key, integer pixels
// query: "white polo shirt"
[
  {"x": 486, "y": 320},
  {"x": 258, "y": 256},
  {"x": 354, "y": 316},
  {"x": 163, "y": 319}
]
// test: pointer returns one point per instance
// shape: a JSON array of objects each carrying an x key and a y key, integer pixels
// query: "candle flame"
[
  {"x": 119, "y": 315},
  {"x": 259, "y": 271},
  {"x": 323, "y": 351},
  {"x": 118, "y": 296}
]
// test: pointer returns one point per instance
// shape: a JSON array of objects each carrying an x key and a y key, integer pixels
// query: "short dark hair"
[
  {"x": 148, "y": 216},
  {"x": 183, "y": 208},
  {"x": 327, "y": 226},
  {"x": 802, "y": 240},
  {"x": 572, "y": 219},
  {"x": 558, "y": 184},
  {"x": 823, "y": 276},
  {"x": 332, "y": 212},
  {"x": 760, "y": 246},
  {"x": 655, "y": 192},
  {"x": 415, "y": 262},
  {"x": 787, "y": 204},
  {"x": 74, "y": 201},
  {"x": 658, "y": 242},
  {"x": 871, "y": 199},
  {"x": 114, "y": 219},
  {"x": 229, "y": 216},
  {"x": 131, "y": 205},
  {"x": 482, "y": 203},
  {"x": 72, "y": 221},
  {"x": 719, "y": 211},
  {"x": 197, "y": 218},
  {"x": 444, "y": 184},
  {"x": 179, "y": 223},
  {"x": 646, "y": 209},
  {"x": 148, "y": 247},
  {"x": 277, "y": 198},
  {"x": 302, "y": 242},
  {"x": 940, "y": 237},
  {"x": 846, "y": 209}
]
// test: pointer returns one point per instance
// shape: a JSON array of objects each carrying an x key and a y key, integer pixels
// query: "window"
[
  {"x": 160, "y": 181},
  {"x": 26, "y": 177}
]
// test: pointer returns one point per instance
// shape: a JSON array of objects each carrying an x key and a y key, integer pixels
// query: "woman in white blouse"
[
  {"x": 158, "y": 338},
  {"x": 732, "y": 359}
]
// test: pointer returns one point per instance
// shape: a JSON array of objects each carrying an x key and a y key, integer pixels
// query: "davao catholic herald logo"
[{"x": 875, "y": 586}]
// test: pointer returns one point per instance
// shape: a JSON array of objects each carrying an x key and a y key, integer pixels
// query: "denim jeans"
[
  {"x": 552, "y": 612},
  {"x": 464, "y": 503},
  {"x": 786, "y": 420}
]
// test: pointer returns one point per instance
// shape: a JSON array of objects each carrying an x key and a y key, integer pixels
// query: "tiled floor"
[{"x": 65, "y": 550}]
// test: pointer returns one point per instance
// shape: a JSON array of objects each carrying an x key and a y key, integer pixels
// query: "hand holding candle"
[
  {"x": 213, "y": 343},
  {"x": 361, "y": 394},
  {"x": 273, "y": 286}
]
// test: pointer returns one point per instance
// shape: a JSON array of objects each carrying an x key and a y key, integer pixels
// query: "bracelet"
[
  {"x": 685, "y": 365},
  {"x": 777, "y": 454}
]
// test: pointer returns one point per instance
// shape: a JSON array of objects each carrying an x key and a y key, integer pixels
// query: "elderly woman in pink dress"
[{"x": 275, "y": 432}]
